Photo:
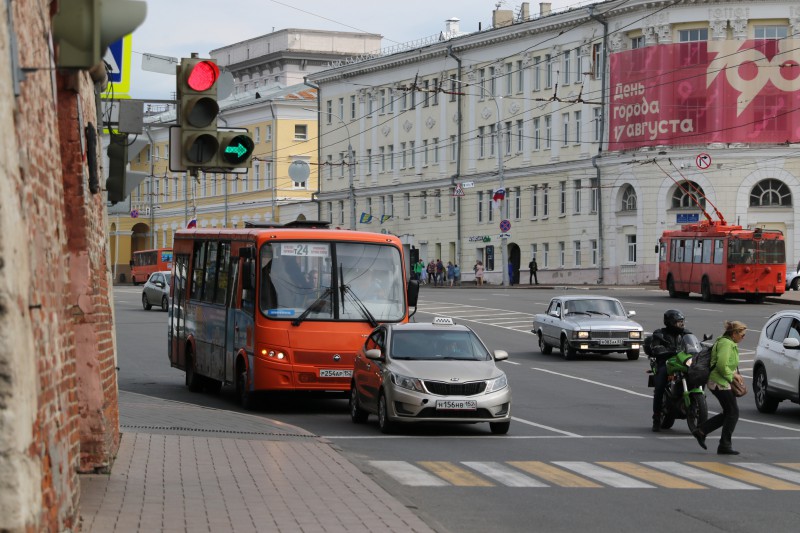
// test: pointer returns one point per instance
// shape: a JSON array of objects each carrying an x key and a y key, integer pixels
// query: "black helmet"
[{"x": 672, "y": 317}]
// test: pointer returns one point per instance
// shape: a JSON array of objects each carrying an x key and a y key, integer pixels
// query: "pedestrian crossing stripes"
[
  {"x": 500, "y": 318},
  {"x": 692, "y": 475}
]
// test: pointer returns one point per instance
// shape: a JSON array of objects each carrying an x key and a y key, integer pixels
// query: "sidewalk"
[{"x": 187, "y": 468}]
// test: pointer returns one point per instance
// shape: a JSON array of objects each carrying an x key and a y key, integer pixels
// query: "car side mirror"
[
  {"x": 374, "y": 354},
  {"x": 500, "y": 355},
  {"x": 631, "y": 313},
  {"x": 159, "y": 284},
  {"x": 791, "y": 343}
]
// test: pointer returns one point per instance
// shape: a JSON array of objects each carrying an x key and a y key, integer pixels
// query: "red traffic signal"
[
  {"x": 202, "y": 76},
  {"x": 197, "y": 111}
]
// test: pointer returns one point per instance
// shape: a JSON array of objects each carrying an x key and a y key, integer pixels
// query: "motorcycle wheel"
[
  {"x": 698, "y": 410},
  {"x": 667, "y": 416}
]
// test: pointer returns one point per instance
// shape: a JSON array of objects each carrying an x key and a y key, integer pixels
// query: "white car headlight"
[
  {"x": 582, "y": 334},
  {"x": 407, "y": 382},
  {"x": 635, "y": 334},
  {"x": 496, "y": 384}
]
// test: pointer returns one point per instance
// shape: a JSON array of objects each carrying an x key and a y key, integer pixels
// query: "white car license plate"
[
  {"x": 331, "y": 373},
  {"x": 459, "y": 405},
  {"x": 610, "y": 341}
]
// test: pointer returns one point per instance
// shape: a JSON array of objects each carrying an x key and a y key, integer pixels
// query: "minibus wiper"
[
  {"x": 361, "y": 307},
  {"x": 316, "y": 306}
]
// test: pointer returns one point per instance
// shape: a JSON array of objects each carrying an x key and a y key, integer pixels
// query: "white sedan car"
[{"x": 776, "y": 370}]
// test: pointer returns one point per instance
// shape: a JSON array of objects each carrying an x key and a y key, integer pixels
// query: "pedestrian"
[
  {"x": 451, "y": 272},
  {"x": 423, "y": 273},
  {"x": 510, "y": 272},
  {"x": 457, "y": 274},
  {"x": 432, "y": 272},
  {"x": 479, "y": 273},
  {"x": 724, "y": 363},
  {"x": 534, "y": 268},
  {"x": 440, "y": 272}
]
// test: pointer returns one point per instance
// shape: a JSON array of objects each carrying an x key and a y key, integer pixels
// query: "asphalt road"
[{"x": 580, "y": 454}]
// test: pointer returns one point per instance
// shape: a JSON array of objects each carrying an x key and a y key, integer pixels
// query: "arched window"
[
  {"x": 682, "y": 197},
  {"x": 770, "y": 193},
  {"x": 629, "y": 199}
]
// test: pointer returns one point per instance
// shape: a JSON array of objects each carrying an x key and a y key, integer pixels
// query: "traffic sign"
[
  {"x": 703, "y": 161},
  {"x": 118, "y": 56},
  {"x": 505, "y": 225},
  {"x": 458, "y": 191}
]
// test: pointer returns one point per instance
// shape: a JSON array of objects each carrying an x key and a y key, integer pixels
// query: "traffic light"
[
  {"x": 197, "y": 112},
  {"x": 235, "y": 149},
  {"x": 83, "y": 29},
  {"x": 117, "y": 167}
]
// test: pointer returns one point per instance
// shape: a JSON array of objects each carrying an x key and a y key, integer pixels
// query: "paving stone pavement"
[{"x": 188, "y": 468}]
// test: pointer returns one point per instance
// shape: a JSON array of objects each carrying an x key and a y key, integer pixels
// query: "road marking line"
[
  {"x": 534, "y": 424},
  {"x": 408, "y": 474},
  {"x": 554, "y": 475},
  {"x": 503, "y": 474},
  {"x": 741, "y": 474},
  {"x": 700, "y": 476},
  {"x": 653, "y": 476},
  {"x": 603, "y": 475},
  {"x": 796, "y": 466},
  {"x": 454, "y": 474},
  {"x": 593, "y": 382}
]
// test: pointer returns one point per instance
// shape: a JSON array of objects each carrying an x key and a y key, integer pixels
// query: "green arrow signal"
[{"x": 239, "y": 150}]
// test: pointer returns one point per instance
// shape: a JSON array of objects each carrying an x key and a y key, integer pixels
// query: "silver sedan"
[
  {"x": 156, "y": 290},
  {"x": 437, "y": 372}
]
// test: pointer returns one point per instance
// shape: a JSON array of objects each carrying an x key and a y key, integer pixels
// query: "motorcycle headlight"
[
  {"x": 635, "y": 335},
  {"x": 407, "y": 382},
  {"x": 582, "y": 334},
  {"x": 496, "y": 384}
]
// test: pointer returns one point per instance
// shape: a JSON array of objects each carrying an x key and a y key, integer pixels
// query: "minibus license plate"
[{"x": 331, "y": 373}]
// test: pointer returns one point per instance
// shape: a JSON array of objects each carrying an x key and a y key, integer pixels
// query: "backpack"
[{"x": 700, "y": 369}]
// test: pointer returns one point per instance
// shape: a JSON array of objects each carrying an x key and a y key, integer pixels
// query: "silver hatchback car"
[
  {"x": 156, "y": 290},
  {"x": 432, "y": 372},
  {"x": 776, "y": 368}
]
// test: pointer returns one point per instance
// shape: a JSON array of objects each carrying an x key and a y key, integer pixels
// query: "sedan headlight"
[
  {"x": 496, "y": 384},
  {"x": 581, "y": 334},
  {"x": 407, "y": 382},
  {"x": 635, "y": 334}
]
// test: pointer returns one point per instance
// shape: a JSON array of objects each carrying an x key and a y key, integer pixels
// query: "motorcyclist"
[{"x": 666, "y": 342}]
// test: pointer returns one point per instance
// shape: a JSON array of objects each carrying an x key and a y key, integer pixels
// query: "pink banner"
[{"x": 705, "y": 92}]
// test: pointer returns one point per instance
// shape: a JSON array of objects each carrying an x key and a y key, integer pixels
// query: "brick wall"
[{"x": 58, "y": 388}]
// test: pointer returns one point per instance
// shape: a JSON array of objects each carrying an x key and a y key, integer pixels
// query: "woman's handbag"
[{"x": 737, "y": 385}]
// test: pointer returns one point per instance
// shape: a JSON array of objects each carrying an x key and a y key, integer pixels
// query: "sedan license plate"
[
  {"x": 610, "y": 341},
  {"x": 331, "y": 373},
  {"x": 456, "y": 405}
]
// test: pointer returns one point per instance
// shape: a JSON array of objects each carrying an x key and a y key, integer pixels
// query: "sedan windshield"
[
  {"x": 438, "y": 345},
  {"x": 594, "y": 307}
]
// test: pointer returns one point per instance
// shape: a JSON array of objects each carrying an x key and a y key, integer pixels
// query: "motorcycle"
[{"x": 684, "y": 398}]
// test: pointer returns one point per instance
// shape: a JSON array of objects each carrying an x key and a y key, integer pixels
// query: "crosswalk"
[
  {"x": 501, "y": 318},
  {"x": 696, "y": 475}
]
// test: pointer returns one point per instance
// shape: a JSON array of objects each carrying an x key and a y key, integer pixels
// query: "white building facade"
[{"x": 616, "y": 122}]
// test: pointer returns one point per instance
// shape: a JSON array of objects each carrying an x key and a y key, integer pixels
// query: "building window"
[
  {"x": 382, "y": 110},
  {"x": 770, "y": 193},
  {"x": 426, "y": 91},
  {"x": 629, "y": 199},
  {"x": 562, "y": 198},
  {"x": 435, "y": 96},
  {"x": 535, "y": 201},
  {"x": 594, "y": 195},
  {"x": 369, "y": 162},
  {"x": 545, "y": 255},
  {"x": 382, "y": 158},
  {"x": 548, "y": 75},
  {"x": 341, "y": 107},
  {"x": 507, "y": 135},
  {"x": 407, "y": 204},
  {"x": 492, "y": 135},
  {"x": 771, "y": 32},
  {"x": 480, "y": 206},
  {"x": 689, "y": 194},
  {"x": 577, "y": 247},
  {"x": 300, "y": 132},
  {"x": 391, "y": 157},
  {"x": 423, "y": 204},
  {"x": 520, "y": 130},
  {"x": 565, "y": 132},
  {"x": 425, "y": 160},
  {"x": 257, "y": 136},
  {"x": 637, "y": 42},
  {"x": 597, "y": 60},
  {"x": 545, "y": 201},
  {"x": 517, "y": 203},
  {"x": 694, "y": 54},
  {"x": 577, "y": 198},
  {"x": 330, "y": 212},
  {"x": 489, "y": 206},
  {"x": 547, "y": 129},
  {"x": 492, "y": 81},
  {"x": 390, "y": 211},
  {"x": 438, "y": 201},
  {"x": 562, "y": 254},
  {"x": 537, "y": 73},
  {"x": 593, "y": 247},
  {"x": 566, "y": 65},
  {"x": 482, "y": 82},
  {"x": 453, "y": 149},
  {"x": 509, "y": 78},
  {"x": 268, "y": 133},
  {"x": 481, "y": 142},
  {"x": 329, "y": 112},
  {"x": 435, "y": 149},
  {"x": 520, "y": 77},
  {"x": 413, "y": 154},
  {"x": 631, "y": 244},
  {"x": 403, "y": 156},
  {"x": 341, "y": 212},
  {"x": 537, "y": 134},
  {"x": 578, "y": 134},
  {"x": 598, "y": 123}
]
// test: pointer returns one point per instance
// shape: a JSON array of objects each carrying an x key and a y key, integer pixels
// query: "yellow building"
[{"x": 283, "y": 124}]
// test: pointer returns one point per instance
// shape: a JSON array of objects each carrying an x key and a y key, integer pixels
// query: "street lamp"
[
  {"x": 503, "y": 238},
  {"x": 350, "y": 163}
]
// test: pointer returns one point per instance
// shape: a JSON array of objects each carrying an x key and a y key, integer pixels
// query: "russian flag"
[{"x": 192, "y": 223}]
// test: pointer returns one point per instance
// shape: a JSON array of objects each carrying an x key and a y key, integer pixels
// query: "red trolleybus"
[
  {"x": 281, "y": 308},
  {"x": 719, "y": 260},
  {"x": 145, "y": 262}
]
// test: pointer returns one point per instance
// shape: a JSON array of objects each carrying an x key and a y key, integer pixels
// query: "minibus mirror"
[{"x": 412, "y": 292}]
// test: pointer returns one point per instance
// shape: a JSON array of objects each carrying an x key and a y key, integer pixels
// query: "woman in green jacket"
[{"x": 724, "y": 362}]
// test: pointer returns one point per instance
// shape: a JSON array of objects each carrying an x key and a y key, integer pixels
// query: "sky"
[{"x": 176, "y": 28}]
